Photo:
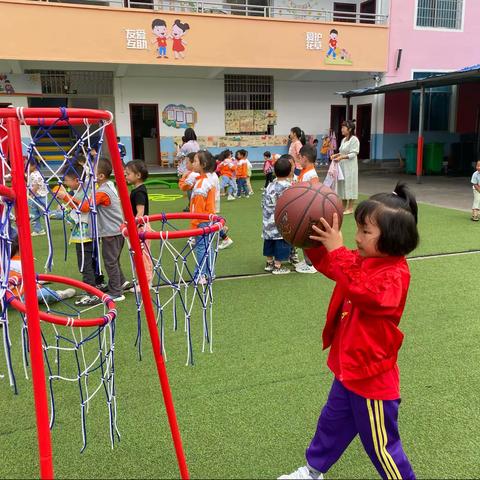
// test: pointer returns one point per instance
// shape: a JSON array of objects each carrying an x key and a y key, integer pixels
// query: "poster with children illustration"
[
  {"x": 173, "y": 39},
  {"x": 179, "y": 116},
  {"x": 335, "y": 54}
]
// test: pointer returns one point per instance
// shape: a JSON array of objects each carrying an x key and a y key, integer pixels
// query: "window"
[
  {"x": 77, "y": 82},
  {"x": 436, "y": 107},
  {"x": 250, "y": 8},
  {"x": 440, "y": 14},
  {"x": 344, "y": 12},
  {"x": 249, "y": 92}
]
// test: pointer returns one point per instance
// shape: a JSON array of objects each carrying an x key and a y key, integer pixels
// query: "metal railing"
[{"x": 242, "y": 8}]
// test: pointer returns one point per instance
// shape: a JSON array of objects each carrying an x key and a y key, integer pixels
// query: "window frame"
[
  {"x": 439, "y": 29},
  {"x": 452, "y": 104},
  {"x": 243, "y": 90}
]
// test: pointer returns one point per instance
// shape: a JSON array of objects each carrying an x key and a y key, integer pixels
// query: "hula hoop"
[
  {"x": 219, "y": 223},
  {"x": 12, "y": 300}
]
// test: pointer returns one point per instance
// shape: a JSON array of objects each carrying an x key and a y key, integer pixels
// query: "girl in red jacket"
[{"x": 363, "y": 335}]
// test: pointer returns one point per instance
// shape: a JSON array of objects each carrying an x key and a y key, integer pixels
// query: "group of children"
[
  {"x": 234, "y": 173},
  {"x": 76, "y": 195},
  {"x": 275, "y": 249}
]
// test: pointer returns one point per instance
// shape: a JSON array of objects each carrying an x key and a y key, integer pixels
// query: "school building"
[{"x": 241, "y": 72}]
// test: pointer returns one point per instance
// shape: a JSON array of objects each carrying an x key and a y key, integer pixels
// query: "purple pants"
[{"x": 347, "y": 414}]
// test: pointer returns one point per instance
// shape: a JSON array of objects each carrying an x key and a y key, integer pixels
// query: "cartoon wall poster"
[
  {"x": 335, "y": 54},
  {"x": 210, "y": 142},
  {"x": 176, "y": 34},
  {"x": 232, "y": 121},
  {"x": 20, "y": 84},
  {"x": 246, "y": 120},
  {"x": 179, "y": 116},
  {"x": 260, "y": 121}
]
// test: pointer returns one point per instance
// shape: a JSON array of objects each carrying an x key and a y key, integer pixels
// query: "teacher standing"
[
  {"x": 348, "y": 161},
  {"x": 190, "y": 145}
]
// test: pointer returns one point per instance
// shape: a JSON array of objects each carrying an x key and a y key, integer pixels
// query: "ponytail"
[
  {"x": 401, "y": 190},
  {"x": 303, "y": 138},
  {"x": 300, "y": 134}
]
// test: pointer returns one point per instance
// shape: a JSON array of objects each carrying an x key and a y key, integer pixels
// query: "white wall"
[
  {"x": 206, "y": 96},
  {"x": 303, "y": 104},
  {"x": 306, "y": 105}
]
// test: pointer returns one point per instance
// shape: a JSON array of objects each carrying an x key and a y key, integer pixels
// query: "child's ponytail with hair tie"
[{"x": 401, "y": 190}]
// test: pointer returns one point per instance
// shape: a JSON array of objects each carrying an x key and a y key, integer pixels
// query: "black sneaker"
[
  {"x": 103, "y": 287},
  {"x": 89, "y": 301},
  {"x": 127, "y": 286}
]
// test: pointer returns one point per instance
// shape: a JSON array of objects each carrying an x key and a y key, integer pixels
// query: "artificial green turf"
[{"x": 249, "y": 409}]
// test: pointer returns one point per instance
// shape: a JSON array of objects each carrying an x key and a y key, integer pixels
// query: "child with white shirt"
[
  {"x": 476, "y": 193},
  {"x": 37, "y": 197}
]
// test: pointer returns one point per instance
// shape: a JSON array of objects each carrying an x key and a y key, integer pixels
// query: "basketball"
[{"x": 300, "y": 207}]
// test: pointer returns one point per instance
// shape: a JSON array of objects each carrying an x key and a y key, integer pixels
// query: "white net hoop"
[
  {"x": 183, "y": 270},
  {"x": 76, "y": 350}
]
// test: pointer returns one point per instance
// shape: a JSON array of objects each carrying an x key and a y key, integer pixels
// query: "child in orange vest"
[{"x": 203, "y": 201}]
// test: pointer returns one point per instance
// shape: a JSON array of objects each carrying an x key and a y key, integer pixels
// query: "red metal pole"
[
  {"x": 147, "y": 301},
  {"x": 419, "y": 157},
  {"x": 30, "y": 289}
]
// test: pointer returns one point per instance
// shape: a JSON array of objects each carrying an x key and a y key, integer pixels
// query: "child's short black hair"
[
  {"x": 396, "y": 215},
  {"x": 315, "y": 141},
  {"x": 223, "y": 155},
  {"x": 138, "y": 166},
  {"x": 191, "y": 156},
  {"x": 267, "y": 154},
  {"x": 205, "y": 159},
  {"x": 242, "y": 152},
  {"x": 211, "y": 164},
  {"x": 309, "y": 152},
  {"x": 104, "y": 166},
  {"x": 283, "y": 166},
  {"x": 72, "y": 170}
]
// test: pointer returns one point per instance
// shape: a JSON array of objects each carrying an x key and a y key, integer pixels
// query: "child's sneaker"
[
  {"x": 127, "y": 285},
  {"x": 302, "y": 473},
  {"x": 230, "y": 198},
  {"x": 103, "y": 287},
  {"x": 294, "y": 259},
  {"x": 120, "y": 298},
  {"x": 38, "y": 234},
  {"x": 280, "y": 270},
  {"x": 269, "y": 267},
  {"x": 88, "y": 301},
  {"x": 225, "y": 243},
  {"x": 305, "y": 268},
  {"x": 67, "y": 293}
]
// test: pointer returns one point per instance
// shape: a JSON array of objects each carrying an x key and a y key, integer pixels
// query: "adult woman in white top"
[
  {"x": 348, "y": 161},
  {"x": 190, "y": 145}
]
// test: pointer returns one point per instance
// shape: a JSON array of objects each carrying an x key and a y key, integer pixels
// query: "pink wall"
[
  {"x": 468, "y": 107},
  {"x": 430, "y": 49},
  {"x": 397, "y": 109}
]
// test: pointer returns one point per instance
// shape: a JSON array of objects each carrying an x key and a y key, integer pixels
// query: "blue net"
[
  {"x": 51, "y": 152},
  {"x": 81, "y": 356},
  {"x": 183, "y": 274}
]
